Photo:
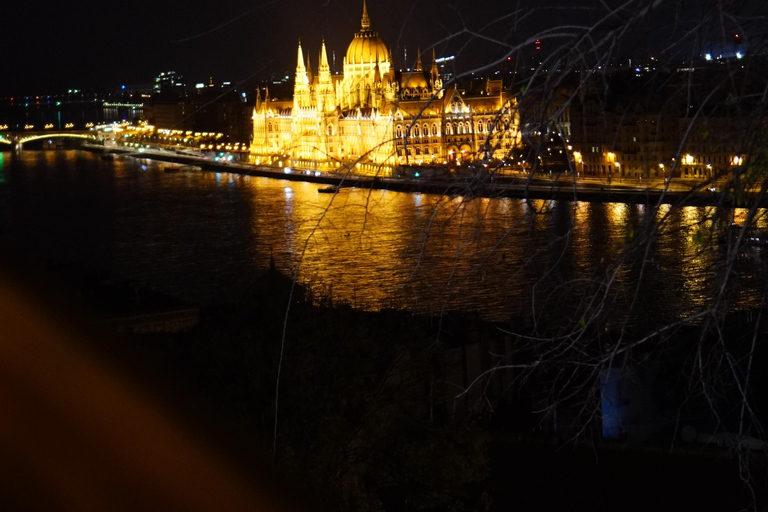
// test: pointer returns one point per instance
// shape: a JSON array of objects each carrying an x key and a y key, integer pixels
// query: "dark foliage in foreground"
[{"x": 355, "y": 422}]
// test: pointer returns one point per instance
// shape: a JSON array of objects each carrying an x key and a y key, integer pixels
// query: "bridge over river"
[{"x": 17, "y": 139}]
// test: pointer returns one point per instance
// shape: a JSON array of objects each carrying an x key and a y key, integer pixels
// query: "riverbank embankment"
[{"x": 516, "y": 187}]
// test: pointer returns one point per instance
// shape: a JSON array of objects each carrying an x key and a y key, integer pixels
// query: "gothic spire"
[
  {"x": 435, "y": 74},
  {"x": 300, "y": 59},
  {"x": 323, "y": 58}
]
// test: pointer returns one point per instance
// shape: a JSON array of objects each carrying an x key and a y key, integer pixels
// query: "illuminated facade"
[
  {"x": 636, "y": 142},
  {"x": 371, "y": 120}
]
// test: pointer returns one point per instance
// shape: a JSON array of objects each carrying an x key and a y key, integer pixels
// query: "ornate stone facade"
[{"x": 370, "y": 120}]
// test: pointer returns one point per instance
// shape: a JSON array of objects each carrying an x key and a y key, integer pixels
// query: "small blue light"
[
  {"x": 417, "y": 175},
  {"x": 122, "y": 87}
]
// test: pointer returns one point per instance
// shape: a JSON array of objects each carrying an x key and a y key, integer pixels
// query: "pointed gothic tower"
[
  {"x": 301, "y": 69},
  {"x": 301, "y": 90},
  {"x": 434, "y": 77},
  {"x": 325, "y": 92}
]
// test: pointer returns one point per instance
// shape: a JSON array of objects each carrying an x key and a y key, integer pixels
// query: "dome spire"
[{"x": 366, "y": 21}]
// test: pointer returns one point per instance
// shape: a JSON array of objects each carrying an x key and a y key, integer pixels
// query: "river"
[{"x": 206, "y": 237}]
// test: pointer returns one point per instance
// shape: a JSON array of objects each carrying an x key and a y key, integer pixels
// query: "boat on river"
[
  {"x": 752, "y": 237},
  {"x": 331, "y": 189}
]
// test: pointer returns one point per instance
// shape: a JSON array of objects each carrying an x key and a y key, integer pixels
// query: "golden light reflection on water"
[
  {"x": 695, "y": 257},
  {"x": 378, "y": 248},
  {"x": 583, "y": 255},
  {"x": 382, "y": 248}
]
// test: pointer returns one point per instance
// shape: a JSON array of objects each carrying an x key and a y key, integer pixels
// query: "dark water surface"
[{"x": 205, "y": 237}]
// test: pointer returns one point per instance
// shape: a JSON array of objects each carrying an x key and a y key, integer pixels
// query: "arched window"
[
  {"x": 455, "y": 130},
  {"x": 425, "y": 130},
  {"x": 469, "y": 127},
  {"x": 398, "y": 131},
  {"x": 449, "y": 129},
  {"x": 489, "y": 127},
  {"x": 416, "y": 132},
  {"x": 460, "y": 130},
  {"x": 330, "y": 129},
  {"x": 435, "y": 133}
]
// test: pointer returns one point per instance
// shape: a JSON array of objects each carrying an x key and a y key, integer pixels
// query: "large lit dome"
[{"x": 367, "y": 46}]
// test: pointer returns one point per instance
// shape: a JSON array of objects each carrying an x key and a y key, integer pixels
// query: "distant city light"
[{"x": 708, "y": 56}]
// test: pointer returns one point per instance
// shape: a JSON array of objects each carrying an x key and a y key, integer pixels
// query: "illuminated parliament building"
[{"x": 372, "y": 119}]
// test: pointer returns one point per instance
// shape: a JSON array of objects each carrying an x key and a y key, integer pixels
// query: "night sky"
[{"x": 102, "y": 45}]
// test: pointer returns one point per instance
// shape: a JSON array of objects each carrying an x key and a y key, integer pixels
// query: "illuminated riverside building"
[
  {"x": 623, "y": 138},
  {"x": 373, "y": 120}
]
